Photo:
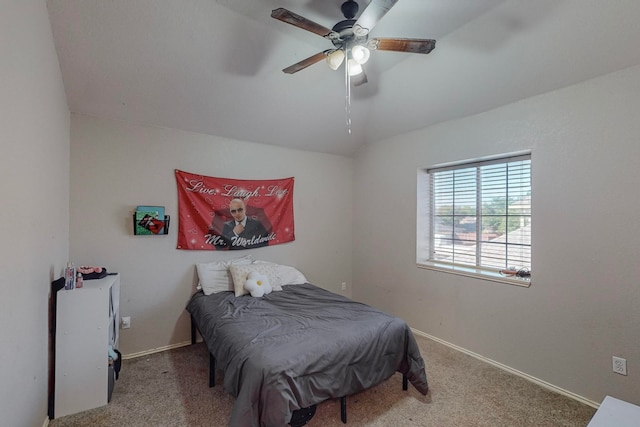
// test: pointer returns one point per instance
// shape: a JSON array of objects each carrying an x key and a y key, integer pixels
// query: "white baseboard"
[
  {"x": 509, "y": 369},
  {"x": 46, "y": 422},
  {"x": 155, "y": 350}
]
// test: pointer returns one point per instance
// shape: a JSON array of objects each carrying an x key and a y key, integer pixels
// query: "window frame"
[{"x": 425, "y": 234}]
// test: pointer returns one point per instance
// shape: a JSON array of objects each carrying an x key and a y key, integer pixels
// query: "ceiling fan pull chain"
[{"x": 348, "y": 93}]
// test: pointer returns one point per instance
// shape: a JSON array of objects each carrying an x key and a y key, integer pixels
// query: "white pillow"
[
  {"x": 239, "y": 275},
  {"x": 214, "y": 276},
  {"x": 247, "y": 259},
  {"x": 288, "y": 275},
  {"x": 285, "y": 274}
]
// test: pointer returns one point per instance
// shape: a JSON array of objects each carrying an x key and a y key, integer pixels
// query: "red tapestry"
[{"x": 230, "y": 214}]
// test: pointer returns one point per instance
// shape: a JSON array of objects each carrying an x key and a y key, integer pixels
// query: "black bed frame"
[{"x": 343, "y": 399}]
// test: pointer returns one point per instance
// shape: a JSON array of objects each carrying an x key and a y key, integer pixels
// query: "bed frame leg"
[
  {"x": 343, "y": 409},
  {"x": 405, "y": 385},
  {"x": 193, "y": 331},
  {"x": 212, "y": 370}
]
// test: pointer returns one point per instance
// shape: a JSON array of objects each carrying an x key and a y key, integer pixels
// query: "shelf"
[{"x": 150, "y": 226}]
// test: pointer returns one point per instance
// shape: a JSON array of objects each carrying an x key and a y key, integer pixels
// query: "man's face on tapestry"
[{"x": 237, "y": 209}]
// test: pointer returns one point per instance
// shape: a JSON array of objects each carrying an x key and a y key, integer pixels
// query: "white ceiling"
[{"x": 214, "y": 66}]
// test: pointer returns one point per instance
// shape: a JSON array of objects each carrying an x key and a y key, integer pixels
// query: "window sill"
[{"x": 477, "y": 273}]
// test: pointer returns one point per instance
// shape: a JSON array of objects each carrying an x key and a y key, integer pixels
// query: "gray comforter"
[{"x": 300, "y": 346}]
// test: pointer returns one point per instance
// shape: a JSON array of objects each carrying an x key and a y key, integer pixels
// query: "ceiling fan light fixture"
[
  {"x": 360, "y": 54},
  {"x": 354, "y": 67},
  {"x": 335, "y": 58},
  {"x": 350, "y": 38}
]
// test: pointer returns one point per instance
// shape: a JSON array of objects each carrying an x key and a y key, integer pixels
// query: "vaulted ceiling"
[{"x": 215, "y": 66}]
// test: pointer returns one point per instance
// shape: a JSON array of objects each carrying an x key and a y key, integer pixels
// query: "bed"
[{"x": 297, "y": 347}]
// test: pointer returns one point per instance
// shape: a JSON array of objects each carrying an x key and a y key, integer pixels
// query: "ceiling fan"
[{"x": 350, "y": 38}]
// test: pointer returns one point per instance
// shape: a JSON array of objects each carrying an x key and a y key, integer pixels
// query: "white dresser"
[
  {"x": 616, "y": 413},
  {"x": 87, "y": 322}
]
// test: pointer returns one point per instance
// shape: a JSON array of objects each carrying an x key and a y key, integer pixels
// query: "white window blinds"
[{"x": 480, "y": 214}]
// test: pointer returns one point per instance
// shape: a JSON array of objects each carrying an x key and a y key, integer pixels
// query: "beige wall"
[
  {"x": 116, "y": 166},
  {"x": 584, "y": 303},
  {"x": 34, "y": 190}
]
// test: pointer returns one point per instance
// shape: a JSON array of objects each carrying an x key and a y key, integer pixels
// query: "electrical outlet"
[
  {"x": 619, "y": 365},
  {"x": 126, "y": 322},
  {"x": 344, "y": 286}
]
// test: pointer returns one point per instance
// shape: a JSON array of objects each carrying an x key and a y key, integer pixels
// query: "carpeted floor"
[{"x": 171, "y": 389}]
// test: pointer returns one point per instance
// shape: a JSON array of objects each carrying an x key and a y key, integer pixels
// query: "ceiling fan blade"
[
  {"x": 371, "y": 16},
  {"x": 359, "y": 79},
  {"x": 296, "y": 20},
  {"x": 306, "y": 62},
  {"x": 402, "y": 45}
]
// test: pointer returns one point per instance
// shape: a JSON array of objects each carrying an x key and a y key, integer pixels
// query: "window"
[{"x": 475, "y": 218}]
